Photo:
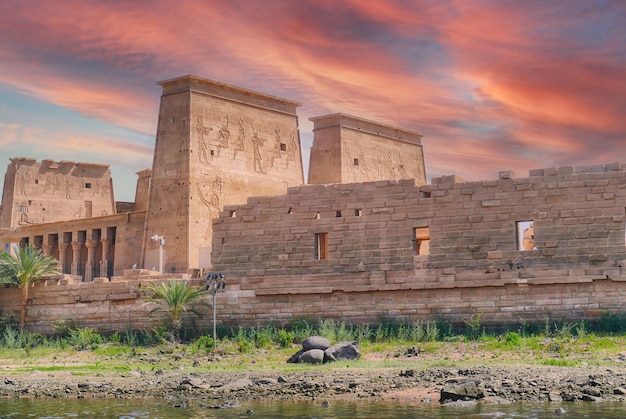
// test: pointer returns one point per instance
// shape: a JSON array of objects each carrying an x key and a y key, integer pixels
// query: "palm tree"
[
  {"x": 174, "y": 298},
  {"x": 23, "y": 268}
]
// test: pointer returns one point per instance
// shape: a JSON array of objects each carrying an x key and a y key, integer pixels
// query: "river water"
[{"x": 148, "y": 409}]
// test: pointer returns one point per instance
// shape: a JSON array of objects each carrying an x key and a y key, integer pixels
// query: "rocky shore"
[{"x": 490, "y": 384}]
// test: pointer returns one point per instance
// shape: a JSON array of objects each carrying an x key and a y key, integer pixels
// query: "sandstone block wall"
[
  {"x": 267, "y": 248},
  {"x": 349, "y": 149},
  {"x": 49, "y": 191}
]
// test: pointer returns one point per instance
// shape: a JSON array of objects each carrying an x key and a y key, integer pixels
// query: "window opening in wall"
[
  {"x": 356, "y": 162},
  {"x": 338, "y": 214},
  {"x": 358, "y": 212},
  {"x": 290, "y": 210},
  {"x": 317, "y": 215},
  {"x": 283, "y": 147},
  {"x": 36, "y": 181},
  {"x": 421, "y": 240},
  {"x": 213, "y": 152},
  {"x": 87, "y": 185},
  {"x": 525, "y": 233},
  {"x": 233, "y": 214},
  {"x": 321, "y": 246}
]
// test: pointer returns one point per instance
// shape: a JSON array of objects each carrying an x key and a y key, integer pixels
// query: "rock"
[
  {"x": 460, "y": 403},
  {"x": 407, "y": 373},
  {"x": 342, "y": 351},
  {"x": 560, "y": 410},
  {"x": 312, "y": 356},
  {"x": 281, "y": 379},
  {"x": 553, "y": 396},
  {"x": 461, "y": 391},
  {"x": 620, "y": 390},
  {"x": 295, "y": 357},
  {"x": 590, "y": 398},
  {"x": 325, "y": 403},
  {"x": 427, "y": 400},
  {"x": 238, "y": 384},
  {"x": 265, "y": 381},
  {"x": 493, "y": 400},
  {"x": 315, "y": 342}
]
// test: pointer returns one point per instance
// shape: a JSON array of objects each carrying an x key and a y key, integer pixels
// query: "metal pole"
[
  {"x": 161, "y": 256},
  {"x": 214, "y": 328}
]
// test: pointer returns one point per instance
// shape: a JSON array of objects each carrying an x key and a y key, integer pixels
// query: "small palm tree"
[
  {"x": 174, "y": 298},
  {"x": 23, "y": 268}
]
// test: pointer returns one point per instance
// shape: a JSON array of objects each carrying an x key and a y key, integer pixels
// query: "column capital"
[
  {"x": 77, "y": 245},
  {"x": 91, "y": 244}
]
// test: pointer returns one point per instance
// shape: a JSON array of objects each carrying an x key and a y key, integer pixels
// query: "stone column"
[
  {"x": 91, "y": 246},
  {"x": 76, "y": 246},
  {"x": 62, "y": 256},
  {"x": 47, "y": 249},
  {"x": 104, "y": 269}
]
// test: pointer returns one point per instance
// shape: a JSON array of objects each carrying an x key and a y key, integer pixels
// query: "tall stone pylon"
[
  {"x": 350, "y": 149},
  {"x": 216, "y": 145}
]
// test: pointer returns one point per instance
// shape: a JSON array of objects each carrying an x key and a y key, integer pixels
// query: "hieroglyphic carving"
[
  {"x": 276, "y": 150},
  {"x": 241, "y": 139},
  {"x": 257, "y": 143}
]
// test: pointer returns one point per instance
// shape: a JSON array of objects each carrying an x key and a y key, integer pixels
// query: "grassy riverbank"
[{"x": 82, "y": 351}]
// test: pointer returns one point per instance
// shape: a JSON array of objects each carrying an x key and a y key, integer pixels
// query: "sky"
[{"x": 492, "y": 85}]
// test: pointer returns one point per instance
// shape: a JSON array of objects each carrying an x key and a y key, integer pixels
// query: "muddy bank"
[{"x": 494, "y": 384}]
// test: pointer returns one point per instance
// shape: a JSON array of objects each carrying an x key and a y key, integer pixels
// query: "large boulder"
[
  {"x": 312, "y": 356},
  {"x": 295, "y": 357},
  {"x": 464, "y": 390},
  {"x": 342, "y": 351},
  {"x": 315, "y": 342}
]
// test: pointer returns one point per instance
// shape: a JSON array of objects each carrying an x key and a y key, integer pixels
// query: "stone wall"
[
  {"x": 475, "y": 263},
  {"x": 49, "y": 191}
]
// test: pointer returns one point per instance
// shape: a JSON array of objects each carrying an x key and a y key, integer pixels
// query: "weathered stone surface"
[
  {"x": 466, "y": 390},
  {"x": 312, "y": 356},
  {"x": 342, "y": 351},
  {"x": 315, "y": 342}
]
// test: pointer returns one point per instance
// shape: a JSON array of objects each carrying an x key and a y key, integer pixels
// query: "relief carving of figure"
[
  {"x": 363, "y": 165},
  {"x": 257, "y": 144},
  {"x": 68, "y": 189},
  {"x": 276, "y": 151},
  {"x": 241, "y": 138},
  {"x": 23, "y": 181},
  {"x": 292, "y": 149},
  {"x": 204, "y": 147},
  {"x": 392, "y": 170},
  {"x": 217, "y": 186},
  {"x": 213, "y": 205},
  {"x": 222, "y": 135}
]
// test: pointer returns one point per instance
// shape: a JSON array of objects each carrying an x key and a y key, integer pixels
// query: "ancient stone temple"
[
  {"x": 216, "y": 145},
  {"x": 367, "y": 239}
]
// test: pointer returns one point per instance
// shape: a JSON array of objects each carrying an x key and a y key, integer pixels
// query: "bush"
[
  {"x": 513, "y": 339},
  {"x": 203, "y": 344},
  {"x": 84, "y": 338},
  {"x": 285, "y": 339}
]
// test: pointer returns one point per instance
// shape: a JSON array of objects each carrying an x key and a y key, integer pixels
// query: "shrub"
[
  {"x": 84, "y": 338},
  {"x": 512, "y": 339}
]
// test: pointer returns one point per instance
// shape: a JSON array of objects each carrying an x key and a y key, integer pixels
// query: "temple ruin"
[{"x": 366, "y": 239}]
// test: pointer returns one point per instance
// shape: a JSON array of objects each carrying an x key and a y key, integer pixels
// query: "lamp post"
[
  {"x": 215, "y": 283},
  {"x": 161, "y": 241}
]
